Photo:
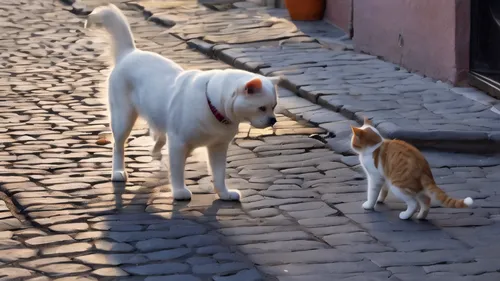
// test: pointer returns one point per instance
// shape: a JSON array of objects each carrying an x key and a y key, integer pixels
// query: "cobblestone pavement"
[
  {"x": 402, "y": 104},
  {"x": 300, "y": 219}
]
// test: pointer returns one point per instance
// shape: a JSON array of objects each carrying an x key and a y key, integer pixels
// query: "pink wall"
[
  {"x": 339, "y": 13},
  {"x": 435, "y": 34}
]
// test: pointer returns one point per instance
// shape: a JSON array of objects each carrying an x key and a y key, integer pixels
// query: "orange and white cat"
[{"x": 400, "y": 167}]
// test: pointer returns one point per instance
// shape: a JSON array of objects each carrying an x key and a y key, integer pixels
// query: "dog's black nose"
[{"x": 272, "y": 121}]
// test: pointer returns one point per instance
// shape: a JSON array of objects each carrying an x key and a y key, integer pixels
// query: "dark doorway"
[{"x": 485, "y": 45}]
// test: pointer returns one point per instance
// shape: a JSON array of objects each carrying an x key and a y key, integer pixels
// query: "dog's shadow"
[{"x": 202, "y": 208}]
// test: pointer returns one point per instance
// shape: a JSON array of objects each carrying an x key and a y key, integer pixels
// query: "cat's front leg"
[{"x": 374, "y": 186}]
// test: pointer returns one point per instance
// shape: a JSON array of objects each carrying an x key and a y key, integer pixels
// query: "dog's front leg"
[
  {"x": 178, "y": 152},
  {"x": 217, "y": 155}
]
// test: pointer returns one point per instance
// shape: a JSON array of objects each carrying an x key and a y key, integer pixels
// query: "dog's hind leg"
[
  {"x": 160, "y": 141},
  {"x": 123, "y": 117}
]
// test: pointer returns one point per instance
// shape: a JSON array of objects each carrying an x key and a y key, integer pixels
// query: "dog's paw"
[
  {"x": 119, "y": 176},
  {"x": 367, "y": 206},
  {"x": 230, "y": 195},
  {"x": 182, "y": 194},
  {"x": 156, "y": 155}
]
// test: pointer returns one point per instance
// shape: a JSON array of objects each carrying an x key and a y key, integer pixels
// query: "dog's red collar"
[{"x": 221, "y": 118}]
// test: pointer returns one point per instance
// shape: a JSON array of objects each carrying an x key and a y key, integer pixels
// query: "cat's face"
[{"x": 364, "y": 137}]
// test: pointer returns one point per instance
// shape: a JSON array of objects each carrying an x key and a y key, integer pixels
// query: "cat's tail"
[
  {"x": 437, "y": 193},
  {"x": 115, "y": 22}
]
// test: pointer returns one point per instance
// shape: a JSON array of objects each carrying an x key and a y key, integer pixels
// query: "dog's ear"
[{"x": 253, "y": 86}]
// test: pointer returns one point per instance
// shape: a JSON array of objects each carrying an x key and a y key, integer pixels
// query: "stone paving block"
[
  {"x": 13, "y": 273},
  {"x": 175, "y": 277},
  {"x": 212, "y": 249},
  {"x": 397, "y": 225},
  {"x": 6, "y": 234},
  {"x": 69, "y": 227},
  {"x": 441, "y": 244},
  {"x": 303, "y": 206},
  {"x": 420, "y": 258},
  {"x": 169, "y": 234},
  {"x": 220, "y": 268},
  {"x": 407, "y": 236},
  {"x": 112, "y": 259},
  {"x": 7, "y": 244},
  {"x": 168, "y": 254},
  {"x": 347, "y": 228},
  {"x": 66, "y": 249},
  {"x": 473, "y": 268},
  {"x": 262, "y": 213},
  {"x": 347, "y": 238},
  {"x": 323, "y": 222},
  {"x": 318, "y": 213},
  {"x": 112, "y": 246},
  {"x": 64, "y": 269},
  {"x": 109, "y": 272},
  {"x": 370, "y": 276},
  {"x": 268, "y": 237},
  {"x": 10, "y": 224},
  {"x": 359, "y": 248},
  {"x": 333, "y": 268},
  {"x": 294, "y": 245},
  {"x": 157, "y": 269},
  {"x": 200, "y": 240},
  {"x": 247, "y": 274},
  {"x": 10, "y": 255},
  {"x": 44, "y": 240},
  {"x": 486, "y": 276},
  {"x": 252, "y": 230},
  {"x": 304, "y": 257},
  {"x": 432, "y": 277}
]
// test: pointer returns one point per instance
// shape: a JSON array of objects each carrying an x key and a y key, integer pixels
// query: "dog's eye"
[{"x": 262, "y": 108}]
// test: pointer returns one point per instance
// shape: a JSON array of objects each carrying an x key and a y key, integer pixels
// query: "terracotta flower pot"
[{"x": 305, "y": 9}]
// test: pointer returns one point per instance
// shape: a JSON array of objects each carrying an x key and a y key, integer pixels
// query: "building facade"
[{"x": 426, "y": 36}]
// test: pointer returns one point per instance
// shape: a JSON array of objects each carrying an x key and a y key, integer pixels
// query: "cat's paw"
[
  {"x": 405, "y": 215},
  {"x": 181, "y": 194},
  {"x": 421, "y": 217},
  {"x": 367, "y": 206},
  {"x": 119, "y": 176},
  {"x": 230, "y": 195}
]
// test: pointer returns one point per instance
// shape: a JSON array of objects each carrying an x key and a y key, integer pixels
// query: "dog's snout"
[{"x": 272, "y": 121}]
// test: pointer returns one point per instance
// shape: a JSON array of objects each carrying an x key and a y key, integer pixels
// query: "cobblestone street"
[{"x": 301, "y": 218}]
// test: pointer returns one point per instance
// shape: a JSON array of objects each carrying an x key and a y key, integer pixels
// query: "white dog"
[{"x": 193, "y": 108}]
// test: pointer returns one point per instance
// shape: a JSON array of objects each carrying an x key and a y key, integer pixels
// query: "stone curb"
[{"x": 472, "y": 141}]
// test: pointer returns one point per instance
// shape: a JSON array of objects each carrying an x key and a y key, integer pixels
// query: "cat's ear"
[
  {"x": 356, "y": 131},
  {"x": 367, "y": 121}
]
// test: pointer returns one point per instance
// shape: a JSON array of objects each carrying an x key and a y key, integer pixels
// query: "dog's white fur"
[{"x": 174, "y": 103}]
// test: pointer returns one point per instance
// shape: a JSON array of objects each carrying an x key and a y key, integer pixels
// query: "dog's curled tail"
[{"x": 115, "y": 23}]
